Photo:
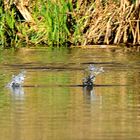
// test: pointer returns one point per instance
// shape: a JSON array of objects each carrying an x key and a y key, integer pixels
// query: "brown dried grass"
[{"x": 111, "y": 23}]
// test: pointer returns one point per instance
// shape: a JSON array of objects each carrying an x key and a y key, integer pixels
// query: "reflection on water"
[
  {"x": 70, "y": 112},
  {"x": 89, "y": 92},
  {"x": 17, "y": 92}
]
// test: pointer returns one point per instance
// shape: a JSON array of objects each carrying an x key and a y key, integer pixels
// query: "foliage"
[
  {"x": 106, "y": 22},
  {"x": 7, "y": 28},
  {"x": 78, "y": 22}
]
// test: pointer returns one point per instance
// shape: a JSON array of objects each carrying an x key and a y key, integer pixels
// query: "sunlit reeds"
[
  {"x": 112, "y": 22},
  {"x": 81, "y": 22}
]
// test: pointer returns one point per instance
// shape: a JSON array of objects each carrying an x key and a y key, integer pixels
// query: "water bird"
[
  {"x": 88, "y": 81},
  {"x": 91, "y": 72},
  {"x": 17, "y": 80}
]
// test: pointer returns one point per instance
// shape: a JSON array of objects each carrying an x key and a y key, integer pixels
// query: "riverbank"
[{"x": 66, "y": 23}]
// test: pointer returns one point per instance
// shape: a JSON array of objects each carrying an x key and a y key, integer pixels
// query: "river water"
[{"x": 52, "y": 106}]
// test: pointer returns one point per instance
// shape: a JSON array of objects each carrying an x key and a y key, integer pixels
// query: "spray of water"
[
  {"x": 90, "y": 74},
  {"x": 17, "y": 80}
]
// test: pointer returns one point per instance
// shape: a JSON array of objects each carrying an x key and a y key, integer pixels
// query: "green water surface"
[{"x": 51, "y": 106}]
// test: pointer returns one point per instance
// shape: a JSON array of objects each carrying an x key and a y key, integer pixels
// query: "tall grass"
[
  {"x": 2, "y": 41},
  {"x": 80, "y": 22},
  {"x": 107, "y": 22},
  {"x": 7, "y": 28},
  {"x": 55, "y": 21},
  {"x": 51, "y": 23}
]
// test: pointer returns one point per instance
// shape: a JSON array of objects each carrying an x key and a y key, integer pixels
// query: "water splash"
[
  {"x": 95, "y": 70},
  {"x": 90, "y": 74},
  {"x": 17, "y": 80}
]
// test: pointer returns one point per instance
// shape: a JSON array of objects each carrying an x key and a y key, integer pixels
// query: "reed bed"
[
  {"x": 107, "y": 23},
  {"x": 81, "y": 22}
]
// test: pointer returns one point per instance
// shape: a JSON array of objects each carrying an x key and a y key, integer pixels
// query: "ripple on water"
[{"x": 55, "y": 110}]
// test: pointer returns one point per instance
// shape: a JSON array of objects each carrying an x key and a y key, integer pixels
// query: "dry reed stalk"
[
  {"x": 125, "y": 36},
  {"x": 130, "y": 11},
  {"x": 108, "y": 32},
  {"x": 137, "y": 33},
  {"x": 118, "y": 34},
  {"x": 108, "y": 29},
  {"x": 138, "y": 28},
  {"x": 131, "y": 28}
]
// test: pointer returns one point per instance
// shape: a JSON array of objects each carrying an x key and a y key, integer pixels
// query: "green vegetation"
[
  {"x": 52, "y": 28},
  {"x": 7, "y": 28},
  {"x": 57, "y": 23}
]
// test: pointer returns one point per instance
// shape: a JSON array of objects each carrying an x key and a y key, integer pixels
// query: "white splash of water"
[
  {"x": 90, "y": 74},
  {"x": 17, "y": 80}
]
